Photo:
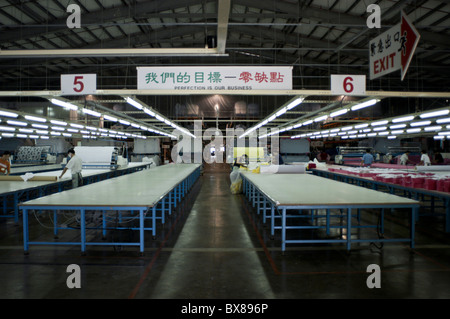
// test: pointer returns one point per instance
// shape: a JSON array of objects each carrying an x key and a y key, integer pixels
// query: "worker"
[
  {"x": 242, "y": 161},
  {"x": 438, "y": 159},
  {"x": 404, "y": 158},
  {"x": 75, "y": 165},
  {"x": 367, "y": 159},
  {"x": 425, "y": 159},
  {"x": 5, "y": 165},
  {"x": 323, "y": 157}
]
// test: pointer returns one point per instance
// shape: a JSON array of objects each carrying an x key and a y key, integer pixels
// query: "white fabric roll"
[
  {"x": 282, "y": 169},
  {"x": 441, "y": 168}
]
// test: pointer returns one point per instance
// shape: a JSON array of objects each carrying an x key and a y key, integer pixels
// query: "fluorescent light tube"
[
  {"x": 403, "y": 119},
  {"x": 35, "y": 118},
  {"x": 58, "y": 122},
  {"x": 441, "y": 121},
  {"x": 9, "y": 114},
  {"x": 109, "y": 118},
  {"x": 64, "y": 104},
  {"x": 7, "y": 128},
  {"x": 393, "y": 127},
  {"x": 149, "y": 112},
  {"x": 363, "y": 105},
  {"x": 433, "y": 128},
  {"x": 295, "y": 103},
  {"x": 91, "y": 112},
  {"x": 308, "y": 122},
  {"x": 321, "y": 118},
  {"x": 134, "y": 103},
  {"x": 413, "y": 130},
  {"x": 383, "y": 122},
  {"x": 281, "y": 112},
  {"x": 422, "y": 123},
  {"x": 434, "y": 114},
  {"x": 17, "y": 123},
  {"x": 337, "y": 113},
  {"x": 124, "y": 122}
]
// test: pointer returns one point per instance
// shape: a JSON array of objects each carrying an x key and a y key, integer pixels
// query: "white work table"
[
  {"x": 308, "y": 192},
  {"x": 15, "y": 189},
  {"x": 141, "y": 192},
  {"x": 306, "y": 189},
  {"x": 144, "y": 189}
]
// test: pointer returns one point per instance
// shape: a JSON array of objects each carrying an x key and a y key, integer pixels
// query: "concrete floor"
[{"x": 216, "y": 247}]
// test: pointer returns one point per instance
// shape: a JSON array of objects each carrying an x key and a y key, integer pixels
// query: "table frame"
[
  {"x": 166, "y": 202},
  {"x": 257, "y": 198},
  {"x": 13, "y": 198},
  {"x": 395, "y": 189}
]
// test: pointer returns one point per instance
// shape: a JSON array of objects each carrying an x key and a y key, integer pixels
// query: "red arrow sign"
[{"x": 409, "y": 38}]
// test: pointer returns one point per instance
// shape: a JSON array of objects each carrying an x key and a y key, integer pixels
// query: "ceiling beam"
[
  {"x": 222, "y": 25},
  {"x": 380, "y": 94}
]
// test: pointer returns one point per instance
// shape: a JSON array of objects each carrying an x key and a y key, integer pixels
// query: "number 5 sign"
[
  {"x": 78, "y": 84},
  {"x": 348, "y": 84}
]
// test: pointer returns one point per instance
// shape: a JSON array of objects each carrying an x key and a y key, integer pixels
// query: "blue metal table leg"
[
  {"x": 104, "y": 224},
  {"x": 83, "y": 231},
  {"x": 25, "y": 231},
  {"x": 264, "y": 209},
  {"x": 349, "y": 228},
  {"x": 154, "y": 222},
  {"x": 272, "y": 221},
  {"x": 163, "y": 210},
  {"x": 283, "y": 230},
  {"x": 141, "y": 230},
  {"x": 16, "y": 207},
  {"x": 328, "y": 222},
  {"x": 415, "y": 211},
  {"x": 447, "y": 215},
  {"x": 55, "y": 224}
]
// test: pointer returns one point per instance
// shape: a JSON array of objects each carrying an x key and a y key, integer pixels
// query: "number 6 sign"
[
  {"x": 348, "y": 84},
  {"x": 78, "y": 84}
]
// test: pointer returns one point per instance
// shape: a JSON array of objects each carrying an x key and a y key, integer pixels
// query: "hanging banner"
[
  {"x": 393, "y": 50},
  {"x": 215, "y": 78}
]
